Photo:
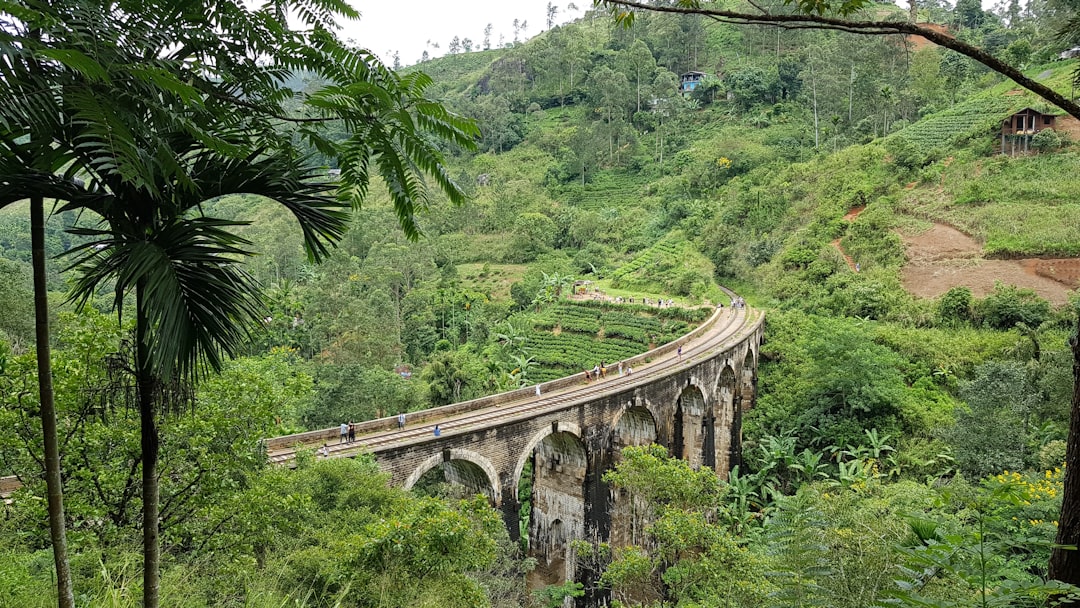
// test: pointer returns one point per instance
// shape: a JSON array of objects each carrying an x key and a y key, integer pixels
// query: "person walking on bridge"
[
  {"x": 344, "y": 433},
  {"x": 438, "y": 433},
  {"x": 401, "y": 420}
]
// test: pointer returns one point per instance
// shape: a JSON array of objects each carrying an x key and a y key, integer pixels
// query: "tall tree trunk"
[
  {"x": 1065, "y": 563},
  {"x": 661, "y": 132},
  {"x": 149, "y": 444},
  {"x": 813, "y": 84},
  {"x": 53, "y": 483},
  {"x": 851, "y": 93}
]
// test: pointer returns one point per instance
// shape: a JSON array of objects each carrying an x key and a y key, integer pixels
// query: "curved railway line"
[{"x": 726, "y": 325}]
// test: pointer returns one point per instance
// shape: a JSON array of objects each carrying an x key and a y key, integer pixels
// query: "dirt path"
[
  {"x": 847, "y": 258},
  {"x": 942, "y": 258},
  {"x": 850, "y": 217}
]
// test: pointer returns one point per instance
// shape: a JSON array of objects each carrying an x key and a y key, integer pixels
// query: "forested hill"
[{"x": 913, "y": 390}]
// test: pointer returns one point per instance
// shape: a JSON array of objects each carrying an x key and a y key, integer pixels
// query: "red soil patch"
[
  {"x": 854, "y": 213},
  {"x": 918, "y": 42},
  {"x": 942, "y": 258}
]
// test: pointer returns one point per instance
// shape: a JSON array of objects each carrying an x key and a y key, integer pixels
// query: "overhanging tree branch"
[{"x": 877, "y": 28}]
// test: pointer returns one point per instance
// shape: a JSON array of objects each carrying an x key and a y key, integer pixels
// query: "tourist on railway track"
[
  {"x": 352, "y": 431},
  {"x": 401, "y": 420},
  {"x": 344, "y": 433},
  {"x": 438, "y": 432}
]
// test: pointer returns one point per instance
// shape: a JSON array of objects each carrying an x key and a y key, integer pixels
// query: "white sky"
[{"x": 406, "y": 25}]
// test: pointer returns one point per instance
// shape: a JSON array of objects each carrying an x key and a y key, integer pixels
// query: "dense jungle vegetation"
[{"x": 902, "y": 450}]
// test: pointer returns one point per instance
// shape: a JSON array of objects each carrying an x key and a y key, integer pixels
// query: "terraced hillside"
[
  {"x": 978, "y": 115},
  {"x": 568, "y": 337}
]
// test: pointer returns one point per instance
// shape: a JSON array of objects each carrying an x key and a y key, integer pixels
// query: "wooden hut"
[{"x": 1018, "y": 129}]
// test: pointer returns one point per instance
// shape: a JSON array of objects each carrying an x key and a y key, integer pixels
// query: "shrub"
[
  {"x": 1047, "y": 140},
  {"x": 954, "y": 308},
  {"x": 1052, "y": 455},
  {"x": 1009, "y": 305}
]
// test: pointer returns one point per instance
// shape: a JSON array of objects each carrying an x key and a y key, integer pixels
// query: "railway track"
[{"x": 731, "y": 325}]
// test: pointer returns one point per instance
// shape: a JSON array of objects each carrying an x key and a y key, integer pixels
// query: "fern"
[{"x": 795, "y": 537}]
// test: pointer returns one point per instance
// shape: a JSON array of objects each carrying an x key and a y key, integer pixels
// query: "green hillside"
[{"x": 904, "y": 441}]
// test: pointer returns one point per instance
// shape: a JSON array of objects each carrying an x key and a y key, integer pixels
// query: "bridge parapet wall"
[{"x": 439, "y": 413}]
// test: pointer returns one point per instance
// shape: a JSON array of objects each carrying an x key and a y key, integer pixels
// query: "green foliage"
[
  {"x": 16, "y": 300},
  {"x": 984, "y": 564},
  {"x": 534, "y": 233},
  {"x": 672, "y": 265},
  {"x": 1009, "y": 305},
  {"x": 568, "y": 337},
  {"x": 1048, "y": 140},
  {"x": 836, "y": 382},
  {"x": 691, "y": 558},
  {"x": 660, "y": 480},
  {"x": 954, "y": 308},
  {"x": 991, "y": 434},
  {"x": 796, "y": 537},
  {"x": 906, "y": 155},
  {"x": 554, "y": 596},
  {"x": 357, "y": 393}
]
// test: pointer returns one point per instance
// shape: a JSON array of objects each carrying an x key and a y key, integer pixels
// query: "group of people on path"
[
  {"x": 348, "y": 432},
  {"x": 599, "y": 371},
  {"x": 660, "y": 303}
]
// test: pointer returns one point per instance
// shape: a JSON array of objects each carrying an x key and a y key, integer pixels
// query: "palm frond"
[{"x": 199, "y": 302}]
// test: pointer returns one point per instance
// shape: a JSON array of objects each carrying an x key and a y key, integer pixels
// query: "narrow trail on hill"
[{"x": 849, "y": 217}]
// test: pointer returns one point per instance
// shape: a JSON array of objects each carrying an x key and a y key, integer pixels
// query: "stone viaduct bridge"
[{"x": 572, "y": 432}]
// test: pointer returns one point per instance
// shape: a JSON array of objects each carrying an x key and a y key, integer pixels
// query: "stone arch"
[
  {"x": 690, "y": 414},
  {"x": 560, "y": 466},
  {"x": 747, "y": 380},
  {"x": 726, "y": 420},
  {"x": 526, "y": 454},
  {"x": 634, "y": 426},
  {"x": 465, "y": 467}
]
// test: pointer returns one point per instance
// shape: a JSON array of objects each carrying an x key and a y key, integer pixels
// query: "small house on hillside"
[
  {"x": 1018, "y": 129},
  {"x": 690, "y": 81}
]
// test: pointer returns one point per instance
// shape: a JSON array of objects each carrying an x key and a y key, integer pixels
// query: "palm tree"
[
  {"x": 28, "y": 158},
  {"x": 886, "y": 94},
  {"x": 128, "y": 75},
  {"x": 193, "y": 301}
]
